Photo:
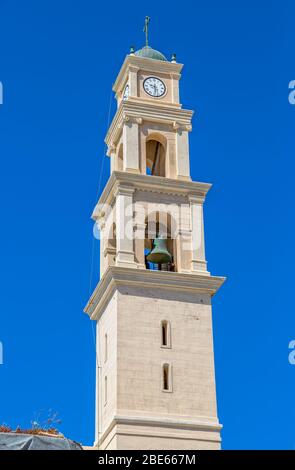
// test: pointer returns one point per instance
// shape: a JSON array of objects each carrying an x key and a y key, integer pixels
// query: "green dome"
[{"x": 150, "y": 53}]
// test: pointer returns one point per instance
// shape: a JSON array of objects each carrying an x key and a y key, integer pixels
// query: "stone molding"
[
  {"x": 157, "y": 184},
  {"x": 109, "y": 251},
  {"x": 135, "y": 63},
  {"x": 123, "y": 191},
  {"x": 116, "y": 276},
  {"x": 138, "y": 111},
  {"x": 169, "y": 423}
]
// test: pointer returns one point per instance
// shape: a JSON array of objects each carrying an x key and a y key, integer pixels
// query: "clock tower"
[{"x": 155, "y": 386}]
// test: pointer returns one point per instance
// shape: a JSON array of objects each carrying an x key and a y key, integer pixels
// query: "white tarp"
[{"x": 16, "y": 441}]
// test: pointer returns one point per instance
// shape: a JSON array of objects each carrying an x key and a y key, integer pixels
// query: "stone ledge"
[
  {"x": 116, "y": 276},
  {"x": 147, "y": 111},
  {"x": 173, "y": 428},
  {"x": 151, "y": 183},
  {"x": 143, "y": 63}
]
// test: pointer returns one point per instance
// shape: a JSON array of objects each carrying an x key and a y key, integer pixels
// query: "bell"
[{"x": 159, "y": 254}]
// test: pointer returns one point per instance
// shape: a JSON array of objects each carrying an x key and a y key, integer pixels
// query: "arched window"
[
  {"x": 155, "y": 157},
  {"x": 165, "y": 334},
  {"x": 166, "y": 378}
]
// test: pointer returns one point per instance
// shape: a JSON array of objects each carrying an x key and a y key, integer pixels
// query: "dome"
[{"x": 150, "y": 53}]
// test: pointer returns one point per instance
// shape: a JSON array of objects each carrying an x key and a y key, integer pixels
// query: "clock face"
[
  {"x": 126, "y": 92},
  {"x": 154, "y": 87}
]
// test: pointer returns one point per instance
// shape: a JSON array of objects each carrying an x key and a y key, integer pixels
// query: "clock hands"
[{"x": 154, "y": 87}]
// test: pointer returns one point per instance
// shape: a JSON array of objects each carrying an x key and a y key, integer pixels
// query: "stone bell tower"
[{"x": 155, "y": 385}]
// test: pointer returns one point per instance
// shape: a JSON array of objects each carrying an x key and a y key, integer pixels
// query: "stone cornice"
[
  {"x": 149, "y": 183},
  {"x": 141, "y": 63},
  {"x": 116, "y": 276},
  {"x": 139, "y": 111},
  {"x": 169, "y": 423}
]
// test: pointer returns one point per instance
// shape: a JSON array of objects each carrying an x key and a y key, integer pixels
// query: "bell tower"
[{"x": 155, "y": 386}]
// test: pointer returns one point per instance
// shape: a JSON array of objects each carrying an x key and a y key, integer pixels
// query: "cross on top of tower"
[
  {"x": 147, "y": 51},
  {"x": 146, "y": 30}
]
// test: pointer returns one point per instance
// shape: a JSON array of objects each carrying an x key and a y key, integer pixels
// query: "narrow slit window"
[
  {"x": 166, "y": 377},
  {"x": 105, "y": 347},
  {"x": 165, "y": 334},
  {"x": 105, "y": 390}
]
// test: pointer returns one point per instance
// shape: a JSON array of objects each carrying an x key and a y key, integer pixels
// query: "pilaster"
[
  {"x": 131, "y": 151},
  {"x": 182, "y": 152},
  {"x": 133, "y": 82},
  {"x": 124, "y": 227},
  {"x": 198, "y": 241}
]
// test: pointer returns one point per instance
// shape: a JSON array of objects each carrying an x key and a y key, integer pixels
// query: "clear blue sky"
[{"x": 58, "y": 62}]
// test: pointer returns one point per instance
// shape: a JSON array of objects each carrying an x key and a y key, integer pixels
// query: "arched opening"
[
  {"x": 155, "y": 156},
  {"x": 120, "y": 158},
  {"x": 159, "y": 245}
]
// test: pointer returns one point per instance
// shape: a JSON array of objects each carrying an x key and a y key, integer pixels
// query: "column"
[
  {"x": 124, "y": 228},
  {"x": 198, "y": 262}
]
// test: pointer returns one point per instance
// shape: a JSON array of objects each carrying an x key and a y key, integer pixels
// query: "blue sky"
[{"x": 58, "y": 63}]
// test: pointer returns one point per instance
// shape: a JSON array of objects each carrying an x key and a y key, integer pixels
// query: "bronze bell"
[{"x": 159, "y": 253}]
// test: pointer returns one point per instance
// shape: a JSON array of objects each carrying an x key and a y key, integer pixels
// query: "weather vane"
[{"x": 146, "y": 30}]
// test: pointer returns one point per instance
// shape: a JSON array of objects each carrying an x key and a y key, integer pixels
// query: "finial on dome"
[
  {"x": 146, "y": 29},
  {"x": 173, "y": 58},
  {"x": 147, "y": 51},
  {"x": 132, "y": 50}
]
